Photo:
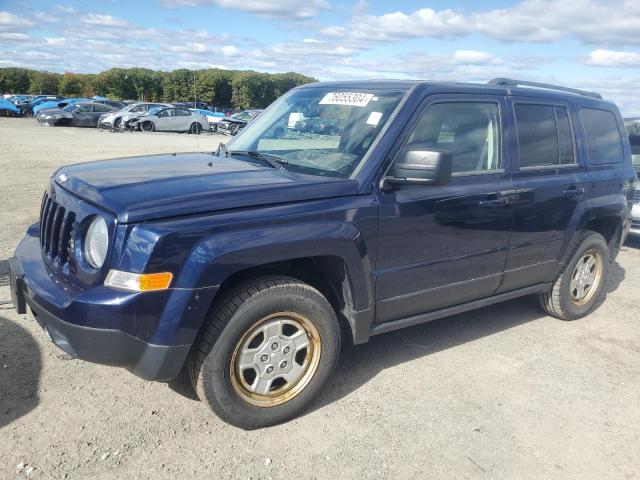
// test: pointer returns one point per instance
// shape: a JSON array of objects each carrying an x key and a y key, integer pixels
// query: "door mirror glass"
[{"x": 420, "y": 164}]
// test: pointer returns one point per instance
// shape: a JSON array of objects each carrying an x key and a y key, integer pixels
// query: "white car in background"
[
  {"x": 633, "y": 129},
  {"x": 169, "y": 119},
  {"x": 118, "y": 119}
]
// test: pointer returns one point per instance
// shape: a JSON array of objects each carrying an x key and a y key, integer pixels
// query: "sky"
[{"x": 591, "y": 44}]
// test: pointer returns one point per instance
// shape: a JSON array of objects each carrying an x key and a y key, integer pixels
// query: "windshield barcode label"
[{"x": 353, "y": 99}]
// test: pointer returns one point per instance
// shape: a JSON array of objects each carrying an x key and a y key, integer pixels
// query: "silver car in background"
[
  {"x": 119, "y": 119},
  {"x": 170, "y": 119}
]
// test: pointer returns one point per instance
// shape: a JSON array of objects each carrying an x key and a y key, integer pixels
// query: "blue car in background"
[
  {"x": 8, "y": 109},
  {"x": 26, "y": 108}
]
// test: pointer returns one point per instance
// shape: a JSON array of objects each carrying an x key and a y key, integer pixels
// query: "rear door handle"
[{"x": 573, "y": 192}]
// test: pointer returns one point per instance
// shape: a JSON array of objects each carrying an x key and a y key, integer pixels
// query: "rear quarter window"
[{"x": 604, "y": 142}]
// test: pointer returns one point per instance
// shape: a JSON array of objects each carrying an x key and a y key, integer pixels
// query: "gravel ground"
[{"x": 502, "y": 392}]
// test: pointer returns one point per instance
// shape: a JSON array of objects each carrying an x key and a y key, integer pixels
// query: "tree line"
[{"x": 223, "y": 88}]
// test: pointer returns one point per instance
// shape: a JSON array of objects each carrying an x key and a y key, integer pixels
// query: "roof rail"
[{"x": 509, "y": 82}]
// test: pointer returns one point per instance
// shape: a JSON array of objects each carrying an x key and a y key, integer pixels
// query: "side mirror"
[{"x": 419, "y": 164}]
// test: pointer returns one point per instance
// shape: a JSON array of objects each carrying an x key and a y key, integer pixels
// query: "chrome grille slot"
[{"x": 56, "y": 228}]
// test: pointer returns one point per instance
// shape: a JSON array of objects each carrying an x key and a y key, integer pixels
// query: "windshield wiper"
[{"x": 273, "y": 160}]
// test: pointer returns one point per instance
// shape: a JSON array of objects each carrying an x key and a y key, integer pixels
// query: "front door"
[
  {"x": 165, "y": 119},
  {"x": 447, "y": 245}
]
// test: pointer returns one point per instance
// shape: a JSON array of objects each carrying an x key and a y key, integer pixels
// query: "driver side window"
[{"x": 469, "y": 130}]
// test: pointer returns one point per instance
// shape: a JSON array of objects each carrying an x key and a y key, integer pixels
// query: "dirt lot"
[{"x": 502, "y": 392}]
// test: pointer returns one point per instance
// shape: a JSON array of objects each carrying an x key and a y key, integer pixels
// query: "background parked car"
[
  {"x": 193, "y": 105},
  {"x": 26, "y": 108},
  {"x": 58, "y": 104},
  {"x": 8, "y": 109},
  {"x": 633, "y": 129},
  {"x": 212, "y": 117},
  {"x": 111, "y": 103},
  {"x": 118, "y": 119},
  {"x": 170, "y": 119},
  {"x": 84, "y": 114},
  {"x": 236, "y": 122}
]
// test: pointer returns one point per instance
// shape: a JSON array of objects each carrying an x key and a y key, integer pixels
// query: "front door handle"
[
  {"x": 494, "y": 202},
  {"x": 573, "y": 191}
]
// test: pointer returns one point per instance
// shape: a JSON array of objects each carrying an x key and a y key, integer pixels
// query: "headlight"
[{"x": 96, "y": 243}]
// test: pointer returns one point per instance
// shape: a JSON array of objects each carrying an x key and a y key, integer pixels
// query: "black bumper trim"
[{"x": 112, "y": 347}]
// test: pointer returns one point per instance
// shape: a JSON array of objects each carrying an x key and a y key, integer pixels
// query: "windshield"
[
  {"x": 244, "y": 116},
  {"x": 319, "y": 131},
  {"x": 70, "y": 108},
  {"x": 153, "y": 111}
]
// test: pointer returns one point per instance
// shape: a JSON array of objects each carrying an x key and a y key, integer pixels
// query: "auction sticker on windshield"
[{"x": 352, "y": 99}]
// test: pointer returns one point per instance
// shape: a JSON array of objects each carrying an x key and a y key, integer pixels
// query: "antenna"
[{"x": 193, "y": 45}]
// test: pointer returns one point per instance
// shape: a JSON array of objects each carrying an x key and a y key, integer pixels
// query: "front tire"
[
  {"x": 580, "y": 287},
  {"x": 147, "y": 127},
  {"x": 267, "y": 350}
]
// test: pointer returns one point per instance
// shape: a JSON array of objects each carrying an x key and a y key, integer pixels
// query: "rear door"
[
  {"x": 99, "y": 110},
  {"x": 184, "y": 119},
  {"x": 552, "y": 190}
]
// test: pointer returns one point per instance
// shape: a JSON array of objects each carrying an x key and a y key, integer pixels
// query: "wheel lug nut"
[
  {"x": 274, "y": 346},
  {"x": 269, "y": 369},
  {"x": 264, "y": 358},
  {"x": 283, "y": 364},
  {"x": 285, "y": 350}
]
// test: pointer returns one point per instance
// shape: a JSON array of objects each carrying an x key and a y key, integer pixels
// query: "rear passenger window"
[
  {"x": 603, "y": 137},
  {"x": 544, "y": 136}
]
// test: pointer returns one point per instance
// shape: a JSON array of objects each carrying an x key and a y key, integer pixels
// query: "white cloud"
[
  {"x": 590, "y": 21},
  {"x": 105, "y": 21},
  {"x": 282, "y": 9},
  {"x": 473, "y": 57},
  {"x": 611, "y": 58},
  {"x": 11, "y": 22},
  {"x": 14, "y": 37}
]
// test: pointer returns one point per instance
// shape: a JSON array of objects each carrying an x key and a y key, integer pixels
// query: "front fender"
[{"x": 217, "y": 257}]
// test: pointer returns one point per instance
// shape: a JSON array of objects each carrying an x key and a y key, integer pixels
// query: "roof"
[{"x": 501, "y": 86}]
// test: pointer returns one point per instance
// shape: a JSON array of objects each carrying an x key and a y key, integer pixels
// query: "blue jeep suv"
[{"x": 249, "y": 267}]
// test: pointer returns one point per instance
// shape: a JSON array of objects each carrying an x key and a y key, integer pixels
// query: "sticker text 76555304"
[{"x": 353, "y": 99}]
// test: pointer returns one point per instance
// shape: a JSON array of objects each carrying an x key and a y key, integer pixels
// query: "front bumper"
[
  {"x": 49, "y": 121},
  {"x": 32, "y": 288}
]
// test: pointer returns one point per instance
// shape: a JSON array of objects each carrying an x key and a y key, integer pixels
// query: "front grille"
[
  {"x": 636, "y": 198},
  {"x": 635, "y": 224},
  {"x": 56, "y": 226}
]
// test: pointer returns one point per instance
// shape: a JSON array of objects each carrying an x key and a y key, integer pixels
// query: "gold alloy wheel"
[
  {"x": 586, "y": 277},
  {"x": 275, "y": 359}
]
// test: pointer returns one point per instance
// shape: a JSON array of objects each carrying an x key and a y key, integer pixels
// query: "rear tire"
[
  {"x": 266, "y": 352},
  {"x": 195, "y": 128},
  {"x": 580, "y": 286}
]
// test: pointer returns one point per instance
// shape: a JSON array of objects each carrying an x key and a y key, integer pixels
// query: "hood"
[{"x": 160, "y": 186}]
